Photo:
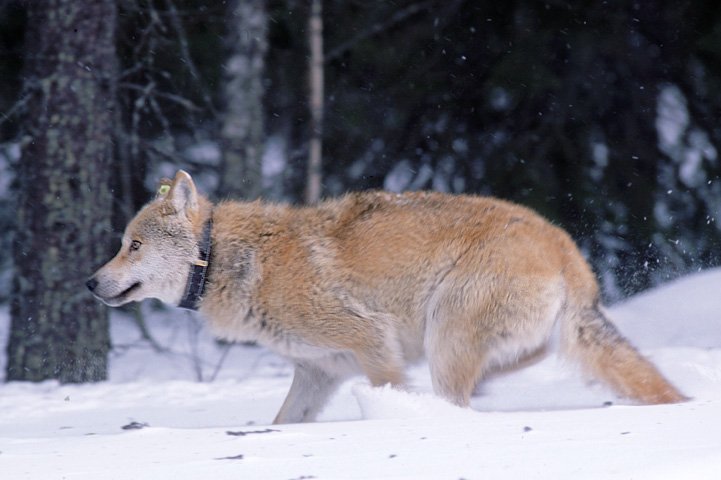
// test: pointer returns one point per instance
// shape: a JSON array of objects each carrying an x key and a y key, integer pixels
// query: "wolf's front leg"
[{"x": 309, "y": 392}]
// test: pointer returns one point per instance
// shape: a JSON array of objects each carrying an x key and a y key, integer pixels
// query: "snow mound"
[
  {"x": 683, "y": 313},
  {"x": 386, "y": 402}
]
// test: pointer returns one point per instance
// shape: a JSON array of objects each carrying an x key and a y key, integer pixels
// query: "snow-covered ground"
[{"x": 541, "y": 422}]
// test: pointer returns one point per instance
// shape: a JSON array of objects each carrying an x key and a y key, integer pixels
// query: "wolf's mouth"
[{"x": 127, "y": 291}]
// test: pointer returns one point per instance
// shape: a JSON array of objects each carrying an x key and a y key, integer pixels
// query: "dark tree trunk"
[
  {"x": 58, "y": 331},
  {"x": 242, "y": 131}
]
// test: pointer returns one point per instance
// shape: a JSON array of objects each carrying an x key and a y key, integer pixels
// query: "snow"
[
  {"x": 673, "y": 118},
  {"x": 673, "y": 126},
  {"x": 543, "y": 421}
]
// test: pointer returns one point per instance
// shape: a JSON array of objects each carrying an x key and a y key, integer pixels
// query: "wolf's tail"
[{"x": 589, "y": 337}]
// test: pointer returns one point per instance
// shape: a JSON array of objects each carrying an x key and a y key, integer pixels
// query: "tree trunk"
[
  {"x": 58, "y": 331},
  {"x": 313, "y": 188},
  {"x": 243, "y": 130}
]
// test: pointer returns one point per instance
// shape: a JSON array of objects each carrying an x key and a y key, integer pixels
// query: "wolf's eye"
[{"x": 135, "y": 245}]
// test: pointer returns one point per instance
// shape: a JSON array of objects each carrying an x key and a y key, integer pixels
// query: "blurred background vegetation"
[{"x": 602, "y": 115}]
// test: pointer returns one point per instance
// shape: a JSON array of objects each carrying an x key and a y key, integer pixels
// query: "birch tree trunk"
[
  {"x": 315, "y": 151},
  {"x": 242, "y": 121},
  {"x": 64, "y": 204}
]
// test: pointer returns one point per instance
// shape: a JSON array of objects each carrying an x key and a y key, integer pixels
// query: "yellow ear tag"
[{"x": 164, "y": 189}]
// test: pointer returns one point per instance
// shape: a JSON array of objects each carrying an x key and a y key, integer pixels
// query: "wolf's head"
[{"x": 158, "y": 247}]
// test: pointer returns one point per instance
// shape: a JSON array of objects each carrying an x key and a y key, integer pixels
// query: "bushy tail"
[{"x": 590, "y": 338}]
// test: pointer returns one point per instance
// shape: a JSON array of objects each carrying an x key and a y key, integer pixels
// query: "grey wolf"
[{"x": 373, "y": 281}]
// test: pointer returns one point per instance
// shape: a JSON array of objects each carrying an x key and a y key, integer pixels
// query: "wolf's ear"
[{"x": 182, "y": 194}]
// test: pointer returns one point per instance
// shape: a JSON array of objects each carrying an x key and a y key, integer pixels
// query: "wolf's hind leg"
[
  {"x": 311, "y": 388},
  {"x": 476, "y": 325},
  {"x": 456, "y": 368},
  {"x": 456, "y": 345}
]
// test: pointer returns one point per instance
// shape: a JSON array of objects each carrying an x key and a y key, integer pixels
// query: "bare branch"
[
  {"x": 185, "y": 54},
  {"x": 221, "y": 361},
  {"x": 145, "y": 334},
  {"x": 377, "y": 29},
  {"x": 183, "y": 102},
  {"x": 15, "y": 109}
]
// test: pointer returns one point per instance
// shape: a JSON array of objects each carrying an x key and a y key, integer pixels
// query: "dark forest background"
[{"x": 605, "y": 116}]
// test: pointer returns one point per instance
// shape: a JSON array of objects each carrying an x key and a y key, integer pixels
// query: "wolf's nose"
[{"x": 91, "y": 284}]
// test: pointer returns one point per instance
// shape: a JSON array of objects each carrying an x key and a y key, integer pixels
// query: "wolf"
[{"x": 370, "y": 282}]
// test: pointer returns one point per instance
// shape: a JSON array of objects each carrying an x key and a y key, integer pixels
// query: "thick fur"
[{"x": 373, "y": 281}]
